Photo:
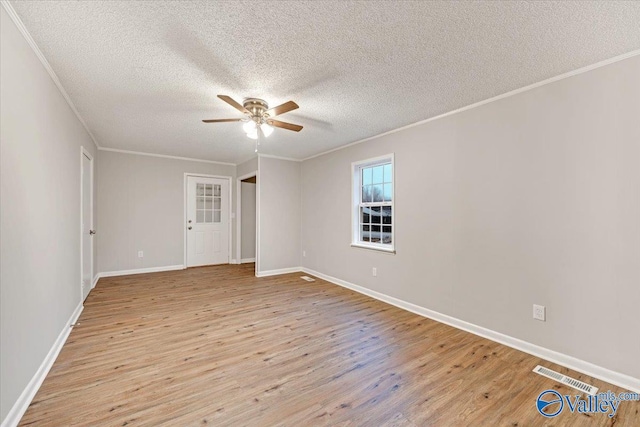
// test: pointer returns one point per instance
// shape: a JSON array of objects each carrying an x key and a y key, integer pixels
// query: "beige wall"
[
  {"x": 39, "y": 213},
  {"x": 141, "y": 207},
  {"x": 247, "y": 167},
  {"x": 248, "y": 223},
  {"x": 531, "y": 199},
  {"x": 279, "y": 214}
]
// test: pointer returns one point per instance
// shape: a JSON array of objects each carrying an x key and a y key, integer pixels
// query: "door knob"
[
  {"x": 92, "y": 232},
  {"x": 189, "y": 228}
]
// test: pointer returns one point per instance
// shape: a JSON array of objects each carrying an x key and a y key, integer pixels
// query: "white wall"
[
  {"x": 279, "y": 214},
  {"x": 248, "y": 223},
  {"x": 531, "y": 199},
  {"x": 141, "y": 207},
  {"x": 39, "y": 213}
]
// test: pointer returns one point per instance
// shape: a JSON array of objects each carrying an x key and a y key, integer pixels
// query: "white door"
[
  {"x": 87, "y": 233},
  {"x": 207, "y": 221}
]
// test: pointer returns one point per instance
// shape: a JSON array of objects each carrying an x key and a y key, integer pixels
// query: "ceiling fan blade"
[
  {"x": 234, "y": 104},
  {"x": 222, "y": 120},
  {"x": 281, "y": 109},
  {"x": 284, "y": 125}
]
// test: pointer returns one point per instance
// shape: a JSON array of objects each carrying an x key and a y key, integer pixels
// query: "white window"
[
  {"x": 373, "y": 225},
  {"x": 208, "y": 203}
]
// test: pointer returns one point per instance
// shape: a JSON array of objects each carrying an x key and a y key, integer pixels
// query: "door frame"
[
  {"x": 184, "y": 217},
  {"x": 84, "y": 152},
  {"x": 239, "y": 216}
]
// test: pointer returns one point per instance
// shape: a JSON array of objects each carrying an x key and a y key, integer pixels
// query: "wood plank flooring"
[{"x": 217, "y": 346}]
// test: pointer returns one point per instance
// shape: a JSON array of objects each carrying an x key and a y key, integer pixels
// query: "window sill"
[{"x": 374, "y": 248}]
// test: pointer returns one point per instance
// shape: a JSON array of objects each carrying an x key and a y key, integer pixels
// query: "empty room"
[{"x": 319, "y": 213}]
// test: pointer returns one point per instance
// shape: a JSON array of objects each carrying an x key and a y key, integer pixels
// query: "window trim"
[{"x": 356, "y": 194}]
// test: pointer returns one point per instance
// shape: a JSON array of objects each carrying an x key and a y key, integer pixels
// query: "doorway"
[
  {"x": 207, "y": 220},
  {"x": 247, "y": 218},
  {"x": 86, "y": 222}
]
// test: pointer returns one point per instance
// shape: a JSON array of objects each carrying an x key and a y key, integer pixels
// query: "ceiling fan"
[{"x": 258, "y": 119}]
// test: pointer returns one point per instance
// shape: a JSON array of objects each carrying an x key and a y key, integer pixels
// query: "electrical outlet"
[
  {"x": 140, "y": 254},
  {"x": 304, "y": 253},
  {"x": 539, "y": 312},
  {"x": 374, "y": 272}
]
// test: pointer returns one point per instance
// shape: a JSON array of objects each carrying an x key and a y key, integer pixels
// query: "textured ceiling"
[{"x": 143, "y": 74}]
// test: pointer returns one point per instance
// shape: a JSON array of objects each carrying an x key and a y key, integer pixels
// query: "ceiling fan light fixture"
[
  {"x": 253, "y": 134},
  {"x": 249, "y": 127},
  {"x": 252, "y": 130},
  {"x": 266, "y": 129}
]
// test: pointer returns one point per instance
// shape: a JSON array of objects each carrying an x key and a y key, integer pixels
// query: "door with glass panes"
[{"x": 207, "y": 221}]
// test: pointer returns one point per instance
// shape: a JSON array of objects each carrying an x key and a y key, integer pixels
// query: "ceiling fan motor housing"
[{"x": 257, "y": 108}]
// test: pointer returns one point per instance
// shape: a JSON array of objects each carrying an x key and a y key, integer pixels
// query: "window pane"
[
  {"x": 366, "y": 176},
  {"x": 388, "y": 192},
  {"x": 388, "y": 173},
  {"x": 207, "y": 216},
  {"x": 366, "y": 193},
  {"x": 199, "y": 217},
  {"x": 216, "y": 203},
  {"x": 386, "y": 234},
  {"x": 208, "y": 203},
  {"x": 377, "y": 193},
  {"x": 376, "y": 233},
  {"x": 208, "y": 190},
  {"x": 200, "y": 203},
  {"x": 377, "y": 174},
  {"x": 364, "y": 215},
  {"x": 200, "y": 189},
  {"x": 387, "y": 217},
  {"x": 364, "y": 233},
  {"x": 375, "y": 215},
  {"x": 217, "y": 190},
  {"x": 216, "y": 216}
]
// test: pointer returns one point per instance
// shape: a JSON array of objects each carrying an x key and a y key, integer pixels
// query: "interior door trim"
[
  {"x": 85, "y": 153},
  {"x": 184, "y": 211},
  {"x": 239, "y": 218}
]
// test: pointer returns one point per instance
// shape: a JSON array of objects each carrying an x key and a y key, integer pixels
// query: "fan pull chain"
[
  {"x": 257, "y": 139},
  {"x": 260, "y": 135}
]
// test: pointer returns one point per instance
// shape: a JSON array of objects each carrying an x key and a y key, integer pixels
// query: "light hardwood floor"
[{"x": 217, "y": 346}]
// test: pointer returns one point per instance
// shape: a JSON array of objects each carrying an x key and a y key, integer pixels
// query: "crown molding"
[
  {"x": 27, "y": 36},
  {"x": 164, "y": 156},
  {"x": 489, "y": 100},
  {"x": 270, "y": 156},
  {"x": 20, "y": 25}
]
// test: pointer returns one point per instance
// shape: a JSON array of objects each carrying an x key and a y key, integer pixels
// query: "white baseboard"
[
  {"x": 140, "y": 271},
  {"x": 277, "y": 272},
  {"x": 233, "y": 261},
  {"x": 95, "y": 280},
  {"x": 587, "y": 368},
  {"x": 247, "y": 260},
  {"x": 20, "y": 407}
]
